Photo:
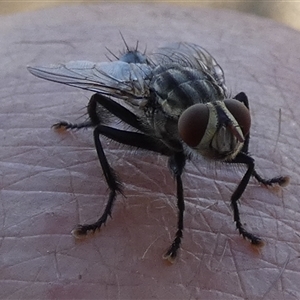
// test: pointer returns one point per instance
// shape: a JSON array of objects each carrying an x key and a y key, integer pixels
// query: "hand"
[{"x": 50, "y": 182}]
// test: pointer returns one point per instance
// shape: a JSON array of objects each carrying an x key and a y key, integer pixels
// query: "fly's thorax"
[
  {"x": 176, "y": 88},
  {"x": 216, "y": 130}
]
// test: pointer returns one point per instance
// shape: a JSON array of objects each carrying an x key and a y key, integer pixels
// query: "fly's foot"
[
  {"x": 282, "y": 181},
  {"x": 62, "y": 125},
  {"x": 171, "y": 253},
  {"x": 82, "y": 231},
  {"x": 255, "y": 240}
]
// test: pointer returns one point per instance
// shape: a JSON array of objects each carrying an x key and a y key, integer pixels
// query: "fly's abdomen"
[{"x": 176, "y": 88}]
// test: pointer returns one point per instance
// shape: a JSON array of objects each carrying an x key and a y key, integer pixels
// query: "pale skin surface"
[{"x": 51, "y": 181}]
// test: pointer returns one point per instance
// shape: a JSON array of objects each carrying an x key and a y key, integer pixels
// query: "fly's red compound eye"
[
  {"x": 192, "y": 124},
  {"x": 241, "y": 113}
]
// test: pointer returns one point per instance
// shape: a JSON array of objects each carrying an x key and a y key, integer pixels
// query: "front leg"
[{"x": 249, "y": 161}]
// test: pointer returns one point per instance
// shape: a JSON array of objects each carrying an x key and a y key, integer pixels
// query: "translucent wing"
[
  {"x": 193, "y": 56},
  {"x": 128, "y": 81},
  {"x": 129, "y": 78}
]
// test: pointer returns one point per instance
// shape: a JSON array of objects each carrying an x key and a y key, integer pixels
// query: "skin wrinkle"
[
  {"x": 240, "y": 280},
  {"x": 215, "y": 245},
  {"x": 278, "y": 278}
]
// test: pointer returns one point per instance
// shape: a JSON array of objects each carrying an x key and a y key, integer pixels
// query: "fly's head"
[{"x": 217, "y": 130}]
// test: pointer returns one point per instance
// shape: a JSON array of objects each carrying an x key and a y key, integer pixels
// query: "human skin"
[{"x": 52, "y": 181}]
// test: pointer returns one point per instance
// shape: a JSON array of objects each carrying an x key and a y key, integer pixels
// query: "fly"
[{"x": 176, "y": 103}]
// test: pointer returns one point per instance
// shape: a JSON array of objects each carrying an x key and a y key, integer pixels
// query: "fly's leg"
[
  {"x": 176, "y": 164},
  {"x": 249, "y": 161},
  {"x": 98, "y": 116},
  {"x": 115, "y": 109},
  {"x": 67, "y": 125},
  {"x": 113, "y": 184},
  {"x": 92, "y": 122},
  {"x": 280, "y": 180}
]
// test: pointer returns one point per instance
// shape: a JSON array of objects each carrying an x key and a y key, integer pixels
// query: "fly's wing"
[
  {"x": 192, "y": 56},
  {"x": 127, "y": 81}
]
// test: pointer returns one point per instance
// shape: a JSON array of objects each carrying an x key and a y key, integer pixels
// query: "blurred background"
[{"x": 286, "y": 12}]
